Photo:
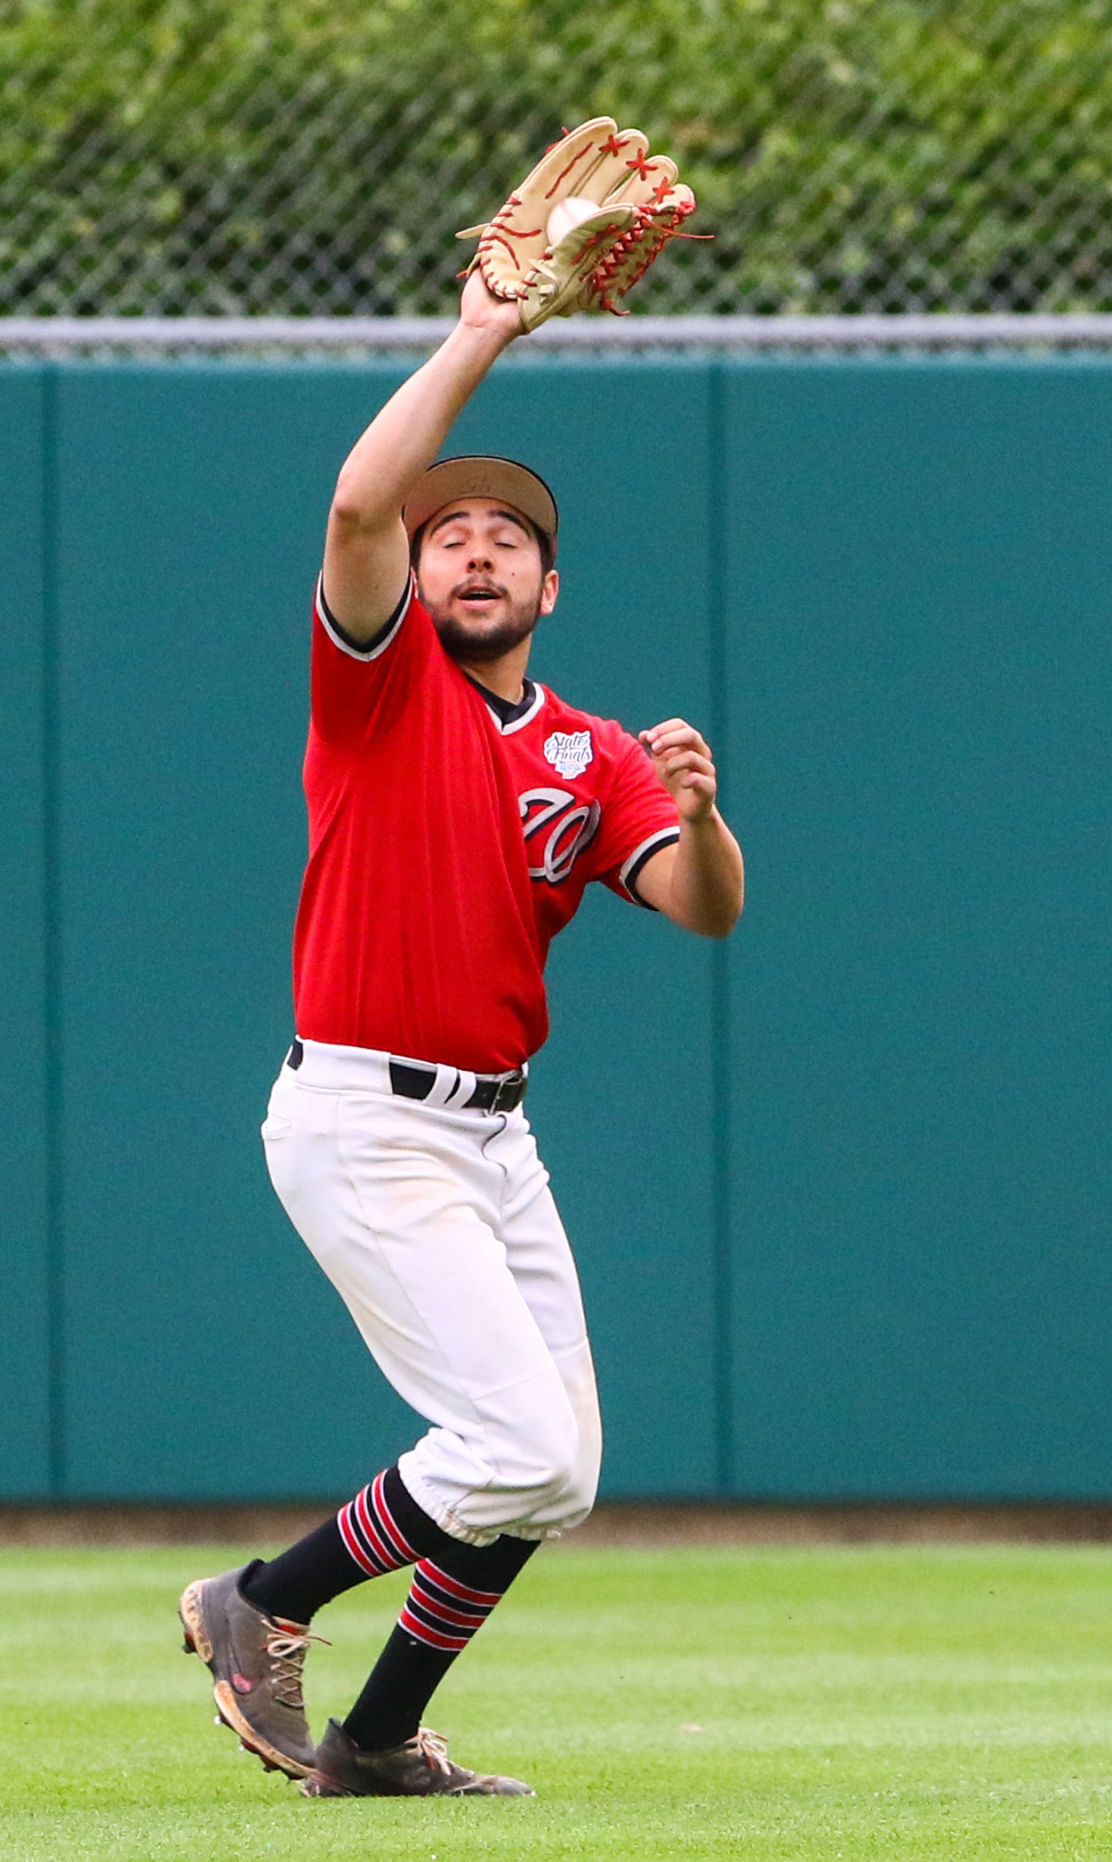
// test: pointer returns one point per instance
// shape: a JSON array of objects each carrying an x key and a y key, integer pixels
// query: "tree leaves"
[{"x": 166, "y": 156}]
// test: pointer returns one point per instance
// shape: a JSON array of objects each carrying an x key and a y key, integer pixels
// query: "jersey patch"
[{"x": 569, "y": 752}]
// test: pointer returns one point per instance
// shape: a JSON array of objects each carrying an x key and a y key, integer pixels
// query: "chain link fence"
[{"x": 219, "y": 158}]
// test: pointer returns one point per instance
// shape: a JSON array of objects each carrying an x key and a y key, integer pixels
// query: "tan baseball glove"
[{"x": 584, "y": 226}]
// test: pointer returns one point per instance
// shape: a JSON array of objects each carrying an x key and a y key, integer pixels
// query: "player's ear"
[{"x": 550, "y": 588}]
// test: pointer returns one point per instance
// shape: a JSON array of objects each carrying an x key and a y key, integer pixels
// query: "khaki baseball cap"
[{"x": 482, "y": 475}]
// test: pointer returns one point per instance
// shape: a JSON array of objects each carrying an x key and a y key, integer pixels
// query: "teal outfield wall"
[{"x": 840, "y": 1189}]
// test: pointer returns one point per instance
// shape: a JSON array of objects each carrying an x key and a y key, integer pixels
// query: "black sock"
[
  {"x": 296, "y": 1583},
  {"x": 452, "y": 1594},
  {"x": 381, "y": 1530}
]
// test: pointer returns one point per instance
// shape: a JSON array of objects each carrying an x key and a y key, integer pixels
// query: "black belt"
[{"x": 415, "y": 1079}]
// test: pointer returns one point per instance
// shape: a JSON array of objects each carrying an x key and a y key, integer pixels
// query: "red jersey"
[{"x": 451, "y": 835}]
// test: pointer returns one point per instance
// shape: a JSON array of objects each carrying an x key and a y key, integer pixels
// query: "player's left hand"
[{"x": 683, "y": 761}]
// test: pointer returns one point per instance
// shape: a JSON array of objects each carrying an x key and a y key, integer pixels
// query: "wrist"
[
  {"x": 478, "y": 345},
  {"x": 493, "y": 318},
  {"x": 702, "y": 819}
]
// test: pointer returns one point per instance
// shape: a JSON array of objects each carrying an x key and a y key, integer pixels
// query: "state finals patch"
[{"x": 569, "y": 752}]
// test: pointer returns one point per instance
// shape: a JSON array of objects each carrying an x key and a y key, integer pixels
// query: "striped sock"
[
  {"x": 442, "y": 1612},
  {"x": 439, "y": 1618},
  {"x": 370, "y": 1530},
  {"x": 380, "y": 1530}
]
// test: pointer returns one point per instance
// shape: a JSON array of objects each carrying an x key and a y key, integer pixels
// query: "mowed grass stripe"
[{"x": 779, "y": 1704}]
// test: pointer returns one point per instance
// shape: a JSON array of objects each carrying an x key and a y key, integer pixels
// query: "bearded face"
[
  {"x": 471, "y": 630},
  {"x": 481, "y": 577}
]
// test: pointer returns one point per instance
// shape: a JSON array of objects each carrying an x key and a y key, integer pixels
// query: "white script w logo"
[{"x": 557, "y": 827}]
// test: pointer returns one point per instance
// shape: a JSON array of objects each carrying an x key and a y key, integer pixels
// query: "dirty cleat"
[
  {"x": 419, "y": 1768},
  {"x": 256, "y": 1664}
]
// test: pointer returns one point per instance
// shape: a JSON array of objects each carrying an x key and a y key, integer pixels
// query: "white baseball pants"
[{"x": 438, "y": 1230}]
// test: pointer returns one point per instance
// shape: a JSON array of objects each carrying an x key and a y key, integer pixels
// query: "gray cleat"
[
  {"x": 419, "y": 1768},
  {"x": 256, "y": 1664}
]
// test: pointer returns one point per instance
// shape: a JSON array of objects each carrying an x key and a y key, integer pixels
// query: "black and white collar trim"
[{"x": 510, "y": 717}]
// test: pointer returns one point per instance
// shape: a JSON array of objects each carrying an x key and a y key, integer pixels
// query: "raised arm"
[
  {"x": 698, "y": 881},
  {"x": 366, "y": 557},
  {"x": 580, "y": 229}
]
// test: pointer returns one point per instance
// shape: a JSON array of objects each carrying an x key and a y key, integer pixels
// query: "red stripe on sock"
[
  {"x": 435, "y": 1608},
  {"x": 343, "y": 1520},
  {"x": 430, "y": 1636},
  {"x": 488, "y": 1598},
  {"x": 406, "y": 1553},
  {"x": 370, "y": 1527}
]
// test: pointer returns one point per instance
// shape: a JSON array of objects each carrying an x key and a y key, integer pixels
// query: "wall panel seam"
[
  {"x": 52, "y": 935},
  {"x": 721, "y": 1188}
]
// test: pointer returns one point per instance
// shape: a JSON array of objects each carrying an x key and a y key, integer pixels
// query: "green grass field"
[{"x": 894, "y": 1702}]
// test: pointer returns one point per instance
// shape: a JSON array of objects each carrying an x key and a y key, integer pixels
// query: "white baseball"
[{"x": 567, "y": 214}]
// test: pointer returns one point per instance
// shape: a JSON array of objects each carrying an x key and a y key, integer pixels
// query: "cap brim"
[{"x": 482, "y": 475}]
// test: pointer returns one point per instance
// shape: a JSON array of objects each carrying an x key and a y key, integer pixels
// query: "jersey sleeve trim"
[
  {"x": 664, "y": 837},
  {"x": 368, "y": 649}
]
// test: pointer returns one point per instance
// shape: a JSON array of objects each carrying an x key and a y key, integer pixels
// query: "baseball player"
[{"x": 457, "y": 811}]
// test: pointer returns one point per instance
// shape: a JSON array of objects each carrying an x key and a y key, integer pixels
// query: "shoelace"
[
  {"x": 433, "y": 1748},
  {"x": 287, "y": 1650}
]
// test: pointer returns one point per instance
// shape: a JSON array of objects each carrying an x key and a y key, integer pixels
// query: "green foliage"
[{"x": 256, "y": 155}]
